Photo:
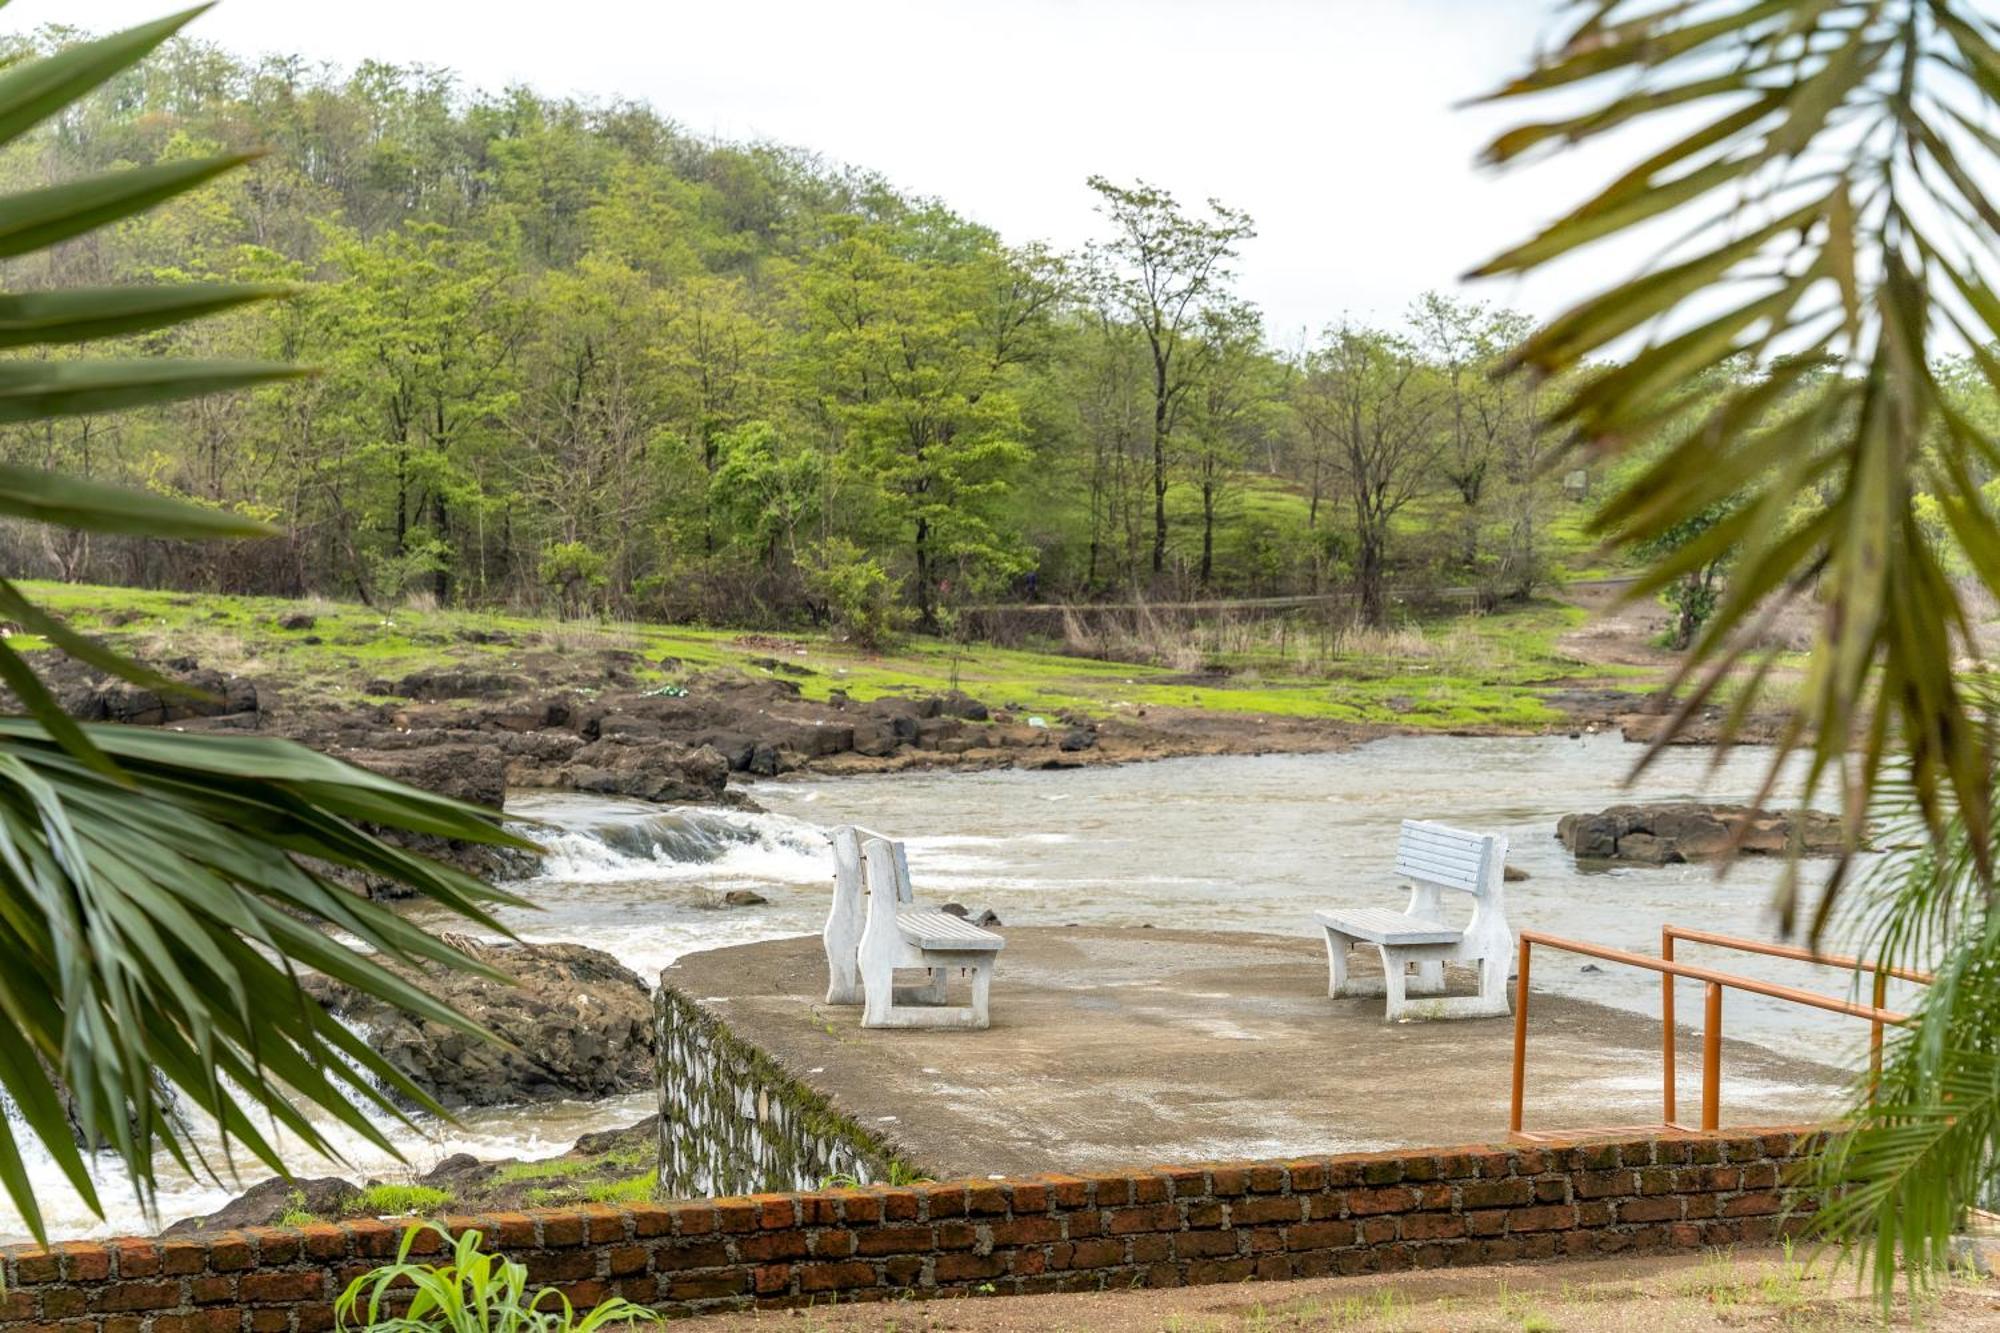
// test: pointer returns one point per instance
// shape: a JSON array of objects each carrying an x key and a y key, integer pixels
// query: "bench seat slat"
[
  {"x": 941, "y": 930},
  {"x": 1385, "y": 927}
]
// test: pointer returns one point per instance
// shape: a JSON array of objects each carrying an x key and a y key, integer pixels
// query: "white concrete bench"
[
  {"x": 1417, "y": 942},
  {"x": 875, "y": 928}
]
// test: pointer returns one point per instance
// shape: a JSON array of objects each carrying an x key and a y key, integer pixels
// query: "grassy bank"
[{"x": 1495, "y": 670}]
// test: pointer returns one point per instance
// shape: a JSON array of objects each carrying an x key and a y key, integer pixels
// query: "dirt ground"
[{"x": 1747, "y": 1290}]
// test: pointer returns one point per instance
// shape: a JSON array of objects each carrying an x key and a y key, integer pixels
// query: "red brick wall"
[{"x": 1163, "y": 1227}]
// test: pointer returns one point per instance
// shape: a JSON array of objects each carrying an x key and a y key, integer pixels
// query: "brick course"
[{"x": 1171, "y": 1226}]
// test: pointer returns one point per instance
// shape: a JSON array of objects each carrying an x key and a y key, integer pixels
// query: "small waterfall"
[{"x": 599, "y": 841}]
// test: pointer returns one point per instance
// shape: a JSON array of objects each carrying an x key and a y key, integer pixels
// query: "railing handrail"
[
  {"x": 1670, "y": 933},
  {"x": 1790, "y": 951},
  {"x": 1713, "y": 978}
]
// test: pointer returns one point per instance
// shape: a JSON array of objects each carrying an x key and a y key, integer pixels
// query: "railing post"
[
  {"x": 1520, "y": 1039},
  {"x": 1875, "y": 1036},
  {"x": 1711, "y": 1059},
  {"x": 1667, "y": 1025}
]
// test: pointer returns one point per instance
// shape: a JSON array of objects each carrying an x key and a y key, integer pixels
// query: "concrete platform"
[{"x": 1113, "y": 1048}]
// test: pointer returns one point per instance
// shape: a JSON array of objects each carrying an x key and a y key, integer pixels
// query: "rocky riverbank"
[{"x": 572, "y": 1023}]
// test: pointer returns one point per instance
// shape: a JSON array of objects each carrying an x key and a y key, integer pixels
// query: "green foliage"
[
  {"x": 543, "y": 324},
  {"x": 161, "y": 891},
  {"x": 1836, "y": 233},
  {"x": 857, "y": 594},
  {"x": 1693, "y": 594},
  {"x": 1857, "y": 130},
  {"x": 471, "y": 1292},
  {"x": 1922, "y": 1146}
]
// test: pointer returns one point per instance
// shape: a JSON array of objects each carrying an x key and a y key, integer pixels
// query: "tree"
[
  {"x": 160, "y": 889},
  {"x": 1164, "y": 271},
  {"x": 420, "y": 340},
  {"x": 1836, "y": 233},
  {"x": 1226, "y": 412},
  {"x": 1375, "y": 399},
  {"x": 914, "y": 368}
]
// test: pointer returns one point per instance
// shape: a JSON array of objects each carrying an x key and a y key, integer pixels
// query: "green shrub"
[
  {"x": 859, "y": 595},
  {"x": 472, "y": 1292}
]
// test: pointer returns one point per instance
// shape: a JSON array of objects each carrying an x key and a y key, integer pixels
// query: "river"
[{"x": 1235, "y": 843}]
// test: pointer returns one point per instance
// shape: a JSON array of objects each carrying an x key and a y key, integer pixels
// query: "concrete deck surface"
[{"x": 1117, "y": 1047}]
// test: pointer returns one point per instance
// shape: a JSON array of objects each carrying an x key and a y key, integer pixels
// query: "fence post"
[
  {"x": 1711, "y": 1059},
  {"x": 1667, "y": 1025},
  {"x": 1875, "y": 1036},
  {"x": 1520, "y": 1040}
]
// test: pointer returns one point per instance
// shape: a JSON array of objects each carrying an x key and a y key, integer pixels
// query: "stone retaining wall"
[{"x": 1168, "y": 1226}]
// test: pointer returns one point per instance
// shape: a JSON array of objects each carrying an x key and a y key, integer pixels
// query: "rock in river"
[
  {"x": 1671, "y": 833},
  {"x": 581, "y": 1025}
]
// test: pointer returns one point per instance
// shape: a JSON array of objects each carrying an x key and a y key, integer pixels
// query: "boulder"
[
  {"x": 646, "y": 770},
  {"x": 955, "y": 703},
  {"x": 297, "y": 620},
  {"x": 744, "y": 898},
  {"x": 265, "y": 1203},
  {"x": 580, "y": 1024},
  {"x": 1077, "y": 739},
  {"x": 472, "y": 772},
  {"x": 1675, "y": 832},
  {"x": 458, "y": 683}
]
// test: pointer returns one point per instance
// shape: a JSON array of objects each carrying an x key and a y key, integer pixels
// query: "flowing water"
[{"x": 1236, "y": 843}]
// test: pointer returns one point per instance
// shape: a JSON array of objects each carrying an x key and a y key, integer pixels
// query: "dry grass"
[{"x": 1276, "y": 646}]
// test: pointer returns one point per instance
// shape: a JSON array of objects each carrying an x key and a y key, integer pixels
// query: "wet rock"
[
  {"x": 645, "y": 770},
  {"x": 1077, "y": 739},
  {"x": 931, "y": 731},
  {"x": 458, "y": 683},
  {"x": 894, "y": 706},
  {"x": 1675, "y": 832},
  {"x": 1513, "y": 874},
  {"x": 955, "y": 703},
  {"x": 263, "y": 1204},
  {"x": 579, "y": 1021},
  {"x": 210, "y": 694},
  {"x": 466, "y": 772},
  {"x": 744, "y": 898}
]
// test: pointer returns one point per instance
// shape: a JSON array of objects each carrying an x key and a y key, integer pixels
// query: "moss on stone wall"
[{"x": 733, "y": 1121}]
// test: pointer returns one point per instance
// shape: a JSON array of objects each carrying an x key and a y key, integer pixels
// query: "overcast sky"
[{"x": 1332, "y": 122}]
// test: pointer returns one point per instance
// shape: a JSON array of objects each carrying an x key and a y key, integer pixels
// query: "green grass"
[
  {"x": 1473, "y": 671},
  {"x": 398, "y": 1200}
]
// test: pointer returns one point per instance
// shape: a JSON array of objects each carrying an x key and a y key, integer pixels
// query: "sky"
[{"x": 1337, "y": 124}]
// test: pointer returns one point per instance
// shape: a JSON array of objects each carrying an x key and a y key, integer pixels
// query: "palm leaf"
[{"x": 160, "y": 892}]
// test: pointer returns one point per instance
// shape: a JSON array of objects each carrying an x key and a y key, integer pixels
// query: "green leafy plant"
[
  {"x": 858, "y": 593},
  {"x": 1834, "y": 236},
  {"x": 158, "y": 891},
  {"x": 1827, "y": 230},
  {"x": 471, "y": 1292}
]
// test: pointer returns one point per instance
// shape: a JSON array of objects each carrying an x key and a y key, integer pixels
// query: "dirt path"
[
  {"x": 1617, "y": 633},
  {"x": 1750, "y": 1290}
]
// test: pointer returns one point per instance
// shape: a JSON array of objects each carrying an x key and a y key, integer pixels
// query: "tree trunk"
[
  {"x": 1207, "y": 530},
  {"x": 1368, "y": 577}
]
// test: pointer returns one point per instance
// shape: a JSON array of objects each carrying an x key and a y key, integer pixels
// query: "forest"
[{"x": 567, "y": 358}]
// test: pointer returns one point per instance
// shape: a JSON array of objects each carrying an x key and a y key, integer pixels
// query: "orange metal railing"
[
  {"x": 1881, "y": 975},
  {"x": 1716, "y": 982}
]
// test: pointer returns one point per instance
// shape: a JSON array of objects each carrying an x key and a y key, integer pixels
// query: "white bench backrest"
[
  {"x": 1450, "y": 858},
  {"x": 848, "y": 840}
]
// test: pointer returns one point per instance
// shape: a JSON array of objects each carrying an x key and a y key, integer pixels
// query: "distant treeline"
[{"x": 575, "y": 358}]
